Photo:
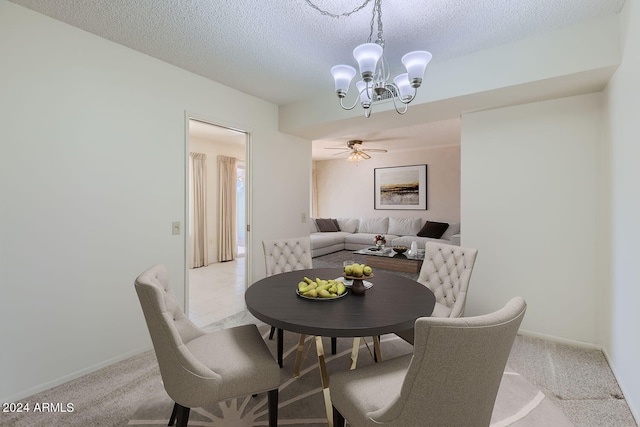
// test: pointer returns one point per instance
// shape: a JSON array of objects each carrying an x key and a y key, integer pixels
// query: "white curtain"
[
  {"x": 227, "y": 232},
  {"x": 198, "y": 210}
]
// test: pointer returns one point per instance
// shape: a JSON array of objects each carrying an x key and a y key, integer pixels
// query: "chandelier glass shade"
[{"x": 374, "y": 73}]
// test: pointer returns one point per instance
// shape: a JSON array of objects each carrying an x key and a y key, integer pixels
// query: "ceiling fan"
[{"x": 355, "y": 150}]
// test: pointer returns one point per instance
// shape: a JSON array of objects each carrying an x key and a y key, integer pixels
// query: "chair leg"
[
  {"x": 173, "y": 414},
  {"x": 334, "y": 345},
  {"x": 182, "y": 416},
  {"x": 273, "y": 329},
  {"x": 280, "y": 346},
  {"x": 273, "y": 407},
  {"x": 338, "y": 419}
]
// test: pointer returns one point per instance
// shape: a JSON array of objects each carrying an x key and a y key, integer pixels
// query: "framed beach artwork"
[{"x": 401, "y": 187}]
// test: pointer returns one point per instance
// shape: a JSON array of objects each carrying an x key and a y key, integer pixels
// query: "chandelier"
[{"x": 374, "y": 71}]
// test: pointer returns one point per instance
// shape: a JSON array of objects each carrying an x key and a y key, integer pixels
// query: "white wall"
[
  {"x": 213, "y": 150},
  {"x": 347, "y": 190},
  {"x": 530, "y": 204},
  {"x": 92, "y": 174},
  {"x": 623, "y": 129}
]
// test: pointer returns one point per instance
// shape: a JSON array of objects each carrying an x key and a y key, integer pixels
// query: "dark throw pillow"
[
  {"x": 327, "y": 225},
  {"x": 433, "y": 229}
]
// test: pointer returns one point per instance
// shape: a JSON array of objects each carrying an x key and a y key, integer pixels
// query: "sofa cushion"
[
  {"x": 454, "y": 228},
  {"x": 365, "y": 239},
  {"x": 374, "y": 225},
  {"x": 350, "y": 225},
  {"x": 433, "y": 229},
  {"x": 313, "y": 228},
  {"x": 326, "y": 225},
  {"x": 404, "y": 226},
  {"x": 319, "y": 240}
]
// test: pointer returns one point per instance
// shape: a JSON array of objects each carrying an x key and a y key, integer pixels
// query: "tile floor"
[{"x": 216, "y": 291}]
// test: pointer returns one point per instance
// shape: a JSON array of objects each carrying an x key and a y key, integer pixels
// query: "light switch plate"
[{"x": 175, "y": 227}]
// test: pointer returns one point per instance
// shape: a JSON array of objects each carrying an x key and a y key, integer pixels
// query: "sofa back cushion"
[
  {"x": 349, "y": 225},
  {"x": 374, "y": 225},
  {"x": 433, "y": 229},
  {"x": 404, "y": 226},
  {"x": 327, "y": 225}
]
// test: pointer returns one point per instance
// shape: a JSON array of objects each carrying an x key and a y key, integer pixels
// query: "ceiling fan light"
[
  {"x": 416, "y": 63},
  {"x": 367, "y": 55},
  {"x": 342, "y": 75},
  {"x": 404, "y": 87}
]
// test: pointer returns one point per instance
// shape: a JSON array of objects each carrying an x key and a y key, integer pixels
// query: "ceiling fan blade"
[
  {"x": 343, "y": 152},
  {"x": 379, "y": 150},
  {"x": 364, "y": 155},
  {"x": 334, "y": 148}
]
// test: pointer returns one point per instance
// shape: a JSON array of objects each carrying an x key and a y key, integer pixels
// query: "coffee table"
[
  {"x": 388, "y": 259},
  {"x": 393, "y": 304}
]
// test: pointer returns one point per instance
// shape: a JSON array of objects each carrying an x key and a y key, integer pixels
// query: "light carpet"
[{"x": 301, "y": 403}]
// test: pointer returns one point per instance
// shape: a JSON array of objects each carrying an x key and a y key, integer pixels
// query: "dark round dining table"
[{"x": 392, "y": 304}]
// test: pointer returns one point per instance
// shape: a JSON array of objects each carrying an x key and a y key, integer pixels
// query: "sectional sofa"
[{"x": 336, "y": 234}]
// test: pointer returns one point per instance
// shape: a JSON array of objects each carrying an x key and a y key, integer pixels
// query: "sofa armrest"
[{"x": 455, "y": 239}]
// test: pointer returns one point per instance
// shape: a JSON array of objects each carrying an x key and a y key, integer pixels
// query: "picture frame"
[{"x": 400, "y": 187}]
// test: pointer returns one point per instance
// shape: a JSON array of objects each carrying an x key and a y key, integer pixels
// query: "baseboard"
[
  {"x": 46, "y": 386},
  {"x": 553, "y": 338},
  {"x": 635, "y": 411}
]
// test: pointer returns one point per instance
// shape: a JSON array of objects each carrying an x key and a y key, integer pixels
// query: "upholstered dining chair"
[
  {"x": 446, "y": 271},
  {"x": 199, "y": 367},
  {"x": 451, "y": 379},
  {"x": 281, "y": 256}
]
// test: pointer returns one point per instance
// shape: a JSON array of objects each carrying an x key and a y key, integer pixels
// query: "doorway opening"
[{"x": 217, "y": 219}]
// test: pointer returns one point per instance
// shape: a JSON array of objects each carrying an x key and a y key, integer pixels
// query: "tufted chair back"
[
  {"x": 446, "y": 270},
  {"x": 285, "y": 255}
]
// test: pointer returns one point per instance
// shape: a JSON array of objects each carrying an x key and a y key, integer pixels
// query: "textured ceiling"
[{"x": 282, "y": 50}]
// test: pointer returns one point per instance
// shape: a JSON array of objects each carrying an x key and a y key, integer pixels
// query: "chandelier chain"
[
  {"x": 377, "y": 9},
  {"x": 338, "y": 16}
]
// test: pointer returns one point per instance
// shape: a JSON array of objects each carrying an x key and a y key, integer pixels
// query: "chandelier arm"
[
  {"x": 406, "y": 106},
  {"x": 349, "y": 108},
  {"x": 393, "y": 98},
  {"x": 357, "y": 99}
]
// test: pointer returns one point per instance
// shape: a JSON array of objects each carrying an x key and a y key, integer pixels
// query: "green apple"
[{"x": 367, "y": 270}]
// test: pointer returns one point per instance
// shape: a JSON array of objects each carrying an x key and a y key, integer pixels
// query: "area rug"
[{"x": 519, "y": 404}]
